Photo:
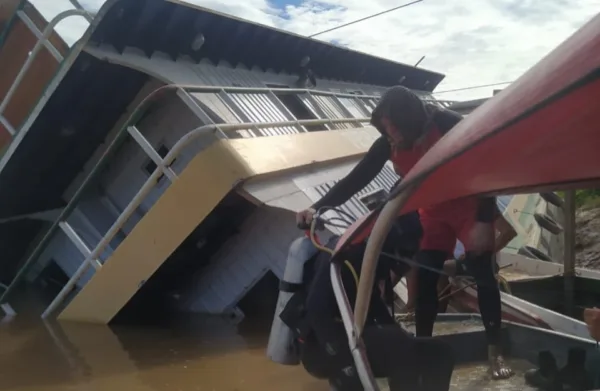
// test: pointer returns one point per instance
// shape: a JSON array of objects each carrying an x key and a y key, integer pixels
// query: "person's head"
[{"x": 401, "y": 117}]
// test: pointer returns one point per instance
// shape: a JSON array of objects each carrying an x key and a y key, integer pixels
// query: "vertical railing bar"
[
  {"x": 47, "y": 32},
  {"x": 78, "y": 242},
  {"x": 279, "y": 104},
  {"x": 344, "y": 110},
  {"x": 40, "y": 36},
  {"x": 7, "y": 125},
  {"x": 320, "y": 112},
  {"x": 151, "y": 152}
]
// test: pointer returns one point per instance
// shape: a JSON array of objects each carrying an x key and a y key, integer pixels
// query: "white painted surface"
[{"x": 262, "y": 245}]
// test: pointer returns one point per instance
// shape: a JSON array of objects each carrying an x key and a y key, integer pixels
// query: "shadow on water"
[{"x": 186, "y": 353}]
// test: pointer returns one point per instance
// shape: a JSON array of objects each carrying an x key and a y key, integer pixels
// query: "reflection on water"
[{"x": 204, "y": 354}]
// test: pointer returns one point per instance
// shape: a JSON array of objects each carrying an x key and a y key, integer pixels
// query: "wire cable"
[{"x": 365, "y": 18}]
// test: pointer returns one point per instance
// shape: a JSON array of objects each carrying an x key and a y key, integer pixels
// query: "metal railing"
[
  {"x": 162, "y": 168},
  {"x": 43, "y": 40},
  {"x": 163, "y": 164}
]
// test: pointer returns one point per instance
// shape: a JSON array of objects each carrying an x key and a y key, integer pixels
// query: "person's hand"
[
  {"x": 481, "y": 237},
  {"x": 305, "y": 217}
]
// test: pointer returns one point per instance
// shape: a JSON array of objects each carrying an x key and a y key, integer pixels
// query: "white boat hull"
[{"x": 518, "y": 268}]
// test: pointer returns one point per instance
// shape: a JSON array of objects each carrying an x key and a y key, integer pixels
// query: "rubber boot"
[
  {"x": 546, "y": 376},
  {"x": 498, "y": 367},
  {"x": 574, "y": 376}
]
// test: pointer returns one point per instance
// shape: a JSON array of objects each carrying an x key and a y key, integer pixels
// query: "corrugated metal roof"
[
  {"x": 172, "y": 27},
  {"x": 91, "y": 95}
]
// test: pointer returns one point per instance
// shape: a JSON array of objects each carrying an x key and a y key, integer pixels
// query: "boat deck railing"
[
  {"x": 352, "y": 110},
  {"x": 223, "y": 130}
]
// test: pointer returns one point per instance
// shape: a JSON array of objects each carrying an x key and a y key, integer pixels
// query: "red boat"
[{"x": 540, "y": 134}]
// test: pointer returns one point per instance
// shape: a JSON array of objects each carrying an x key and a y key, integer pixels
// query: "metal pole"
[
  {"x": 47, "y": 32},
  {"x": 380, "y": 230},
  {"x": 89, "y": 16},
  {"x": 569, "y": 250}
]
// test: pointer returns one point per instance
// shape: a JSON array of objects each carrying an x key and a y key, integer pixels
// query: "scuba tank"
[{"x": 282, "y": 348}]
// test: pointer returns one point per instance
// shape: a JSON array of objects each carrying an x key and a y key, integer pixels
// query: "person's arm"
[{"x": 360, "y": 176}]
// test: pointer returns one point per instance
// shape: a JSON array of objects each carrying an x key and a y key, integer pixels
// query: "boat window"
[
  {"x": 355, "y": 108},
  {"x": 297, "y": 107}
]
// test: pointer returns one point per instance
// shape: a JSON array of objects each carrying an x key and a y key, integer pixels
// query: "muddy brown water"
[
  {"x": 206, "y": 355},
  {"x": 188, "y": 354}
]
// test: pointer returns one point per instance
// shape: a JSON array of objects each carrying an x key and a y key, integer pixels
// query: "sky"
[{"x": 473, "y": 42}]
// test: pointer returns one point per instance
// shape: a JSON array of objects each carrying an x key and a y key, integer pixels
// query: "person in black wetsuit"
[
  {"x": 409, "y": 129},
  {"x": 408, "y": 362}
]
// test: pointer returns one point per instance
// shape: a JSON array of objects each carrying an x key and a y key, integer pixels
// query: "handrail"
[
  {"x": 109, "y": 152},
  {"x": 158, "y": 171},
  {"x": 42, "y": 41},
  {"x": 291, "y": 91}
]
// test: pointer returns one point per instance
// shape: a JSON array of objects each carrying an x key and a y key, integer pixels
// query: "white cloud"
[{"x": 473, "y": 42}]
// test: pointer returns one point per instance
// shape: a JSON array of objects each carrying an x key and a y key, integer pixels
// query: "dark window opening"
[
  {"x": 160, "y": 299},
  {"x": 52, "y": 278},
  {"x": 258, "y": 305},
  {"x": 298, "y": 109}
]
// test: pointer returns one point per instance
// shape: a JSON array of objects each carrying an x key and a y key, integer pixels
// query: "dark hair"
[{"x": 405, "y": 110}]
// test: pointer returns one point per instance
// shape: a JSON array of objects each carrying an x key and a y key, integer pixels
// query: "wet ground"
[{"x": 475, "y": 377}]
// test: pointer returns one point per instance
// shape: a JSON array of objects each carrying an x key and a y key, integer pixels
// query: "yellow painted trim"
[{"x": 185, "y": 204}]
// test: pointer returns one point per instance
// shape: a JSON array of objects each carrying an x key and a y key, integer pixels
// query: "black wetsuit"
[
  {"x": 480, "y": 266},
  {"x": 409, "y": 363}
]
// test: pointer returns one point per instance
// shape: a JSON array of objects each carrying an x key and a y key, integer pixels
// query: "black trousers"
[
  {"x": 409, "y": 363},
  {"x": 481, "y": 267}
]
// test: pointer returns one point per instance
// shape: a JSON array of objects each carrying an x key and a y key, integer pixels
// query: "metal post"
[
  {"x": 88, "y": 15},
  {"x": 569, "y": 250},
  {"x": 151, "y": 152},
  {"x": 344, "y": 110},
  {"x": 283, "y": 108},
  {"x": 78, "y": 242},
  {"x": 40, "y": 35},
  {"x": 318, "y": 111}
]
